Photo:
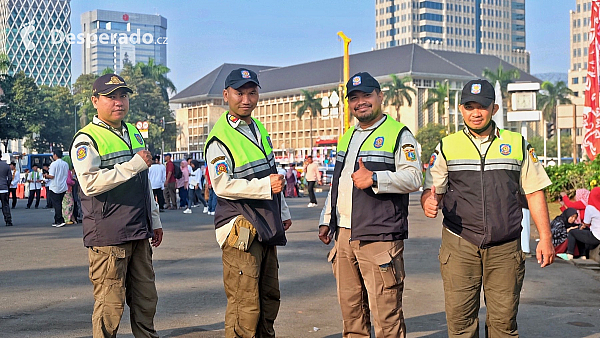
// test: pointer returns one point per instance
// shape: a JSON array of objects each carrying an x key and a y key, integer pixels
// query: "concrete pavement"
[{"x": 45, "y": 291}]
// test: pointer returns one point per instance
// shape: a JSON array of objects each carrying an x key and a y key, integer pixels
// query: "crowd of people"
[{"x": 124, "y": 188}]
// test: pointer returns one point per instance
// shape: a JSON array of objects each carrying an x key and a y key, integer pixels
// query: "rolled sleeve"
[
  {"x": 225, "y": 186},
  {"x": 533, "y": 174}
]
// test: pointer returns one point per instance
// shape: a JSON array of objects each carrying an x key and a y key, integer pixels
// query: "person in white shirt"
[
  {"x": 16, "y": 177},
  {"x": 587, "y": 236},
  {"x": 34, "y": 179},
  {"x": 157, "y": 173},
  {"x": 195, "y": 187},
  {"x": 58, "y": 172},
  {"x": 312, "y": 176}
]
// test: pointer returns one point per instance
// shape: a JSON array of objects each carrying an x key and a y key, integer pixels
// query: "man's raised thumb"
[
  {"x": 360, "y": 163},
  {"x": 432, "y": 195}
]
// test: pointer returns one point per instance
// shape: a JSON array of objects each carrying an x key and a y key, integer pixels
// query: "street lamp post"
[{"x": 79, "y": 104}]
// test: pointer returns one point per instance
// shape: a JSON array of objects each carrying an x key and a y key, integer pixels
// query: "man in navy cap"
[
  {"x": 120, "y": 217},
  {"x": 377, "y": 166},
  {"x": 478, "y": 176},
  {"x": 251, "y": 216}
]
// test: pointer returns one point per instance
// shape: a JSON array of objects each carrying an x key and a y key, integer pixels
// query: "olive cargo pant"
[
  {"x": 123, "y": 273},
  {"x": 252, "y": 287},
  {"x": 370, "y": 278},
  {"x": 463, "y": 267}
]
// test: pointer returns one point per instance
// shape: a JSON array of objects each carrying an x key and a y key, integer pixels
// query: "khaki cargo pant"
[
  {"x": 370, "y": 278},
  {"x": 123, "y": 273},
  {"x": 252, "y": 288},
  {"x": 463, "y": 267}
]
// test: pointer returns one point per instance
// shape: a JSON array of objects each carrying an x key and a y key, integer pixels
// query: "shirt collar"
[
  {"x": 235, "y": 121},
  {"x": 494, "y": 134},
  {"x": 99, "y": 122},
  {"x": 375, "y": 125}
]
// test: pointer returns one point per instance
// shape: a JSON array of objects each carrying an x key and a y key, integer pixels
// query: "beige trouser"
[
  {"x": 252, "y": 288},
  {"x": 463, "y": 267},
  {"x": 123, "y": 273},
  {"x": 370, "y": 276}
]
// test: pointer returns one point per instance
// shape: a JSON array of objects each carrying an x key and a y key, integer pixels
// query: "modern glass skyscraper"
[
  {"x": 26, "y": 30},
  {"x": 112, "y": 39},
  {"x": 491, "y": 27}
]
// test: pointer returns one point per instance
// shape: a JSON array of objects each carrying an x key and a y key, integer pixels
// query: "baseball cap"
[
  {"x": 108, "y": 83},
  {"x": 480, "y": 91},
  {"x": 363, "y": 82},
  {"x": 239, "y": 77},
  {"x": 167, "y": 154}
]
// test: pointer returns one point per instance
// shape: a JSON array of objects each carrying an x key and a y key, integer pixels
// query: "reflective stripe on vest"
[
  {"x": 249, "y": 161},
  {"x": 111, "y": 147}
]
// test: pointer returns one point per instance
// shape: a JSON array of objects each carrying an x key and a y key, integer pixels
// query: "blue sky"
[{"x": 205, "y": 34}]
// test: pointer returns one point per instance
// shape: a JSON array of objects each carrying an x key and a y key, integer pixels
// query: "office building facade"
[
  {"x": 26, "y": 31},
  {"x": 113, "y": 39},
  {"x": 202, "y": 102},
  {"x": 579, "y": 28},
  {"x": 490, "y": 27}
]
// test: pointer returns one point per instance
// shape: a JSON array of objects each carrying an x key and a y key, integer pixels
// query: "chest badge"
[
  {"x": 378, "y": 142},
  {"x": 139, "y": 138},
  {"x": 505, "y": 149}
]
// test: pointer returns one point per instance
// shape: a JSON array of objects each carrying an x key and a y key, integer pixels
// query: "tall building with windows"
[
  {"x": 113, "y": 39},
  {"x": 580, "y": 27},
  {"x": 26, "y": 31},
  {"x": 491, "y": 27}
]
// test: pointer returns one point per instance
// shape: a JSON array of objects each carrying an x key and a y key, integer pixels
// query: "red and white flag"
[{"x": 591, "y": 110}]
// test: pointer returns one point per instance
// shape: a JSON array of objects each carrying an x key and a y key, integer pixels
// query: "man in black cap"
[
  {"x": 478, "y": 176},
  {"x": 120, "y": 215},
  {"x": 377, "y": 166},
  {"x": 251, "y": 216}
]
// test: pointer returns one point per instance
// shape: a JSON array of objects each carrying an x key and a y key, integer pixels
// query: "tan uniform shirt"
[
  {"x": 95, "y": 181},
  {"x": 225, "y": 186},
  {"x": 533, "y": 176},
  {"x": 406, "y": 179}
]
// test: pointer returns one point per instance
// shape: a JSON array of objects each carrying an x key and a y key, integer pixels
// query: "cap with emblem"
[
  {"x": 108, "y": 83},
  {"x": 239, "y": 77},
  {"x": 363, "y": 82},
  {"x": 480, "y": 91}
]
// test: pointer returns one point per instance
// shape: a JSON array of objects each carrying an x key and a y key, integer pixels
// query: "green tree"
[
  {"x": 438, "y": 96},
  {"x": 311, "y": 104},
  {"x": 18, "y": 108},
  {"x": 566, "y": 143},
  {"x": 55, "y": 124},
  {"x": 551, "y": 96},
  {"x": 396, "y": 92},
  {"x": 158, "y": 73},
  {"x": 429, "y": 137},
  {"x": 82, "y": 92},
  {"x": 5, "y": 64},
  {"x": 504, "y": 77},
  {"x": 147, "y": 103}
]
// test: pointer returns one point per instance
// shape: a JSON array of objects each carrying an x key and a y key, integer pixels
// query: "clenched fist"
[
  {"x": 277, "y": 183},
  {"x": 146, "y": 156}
]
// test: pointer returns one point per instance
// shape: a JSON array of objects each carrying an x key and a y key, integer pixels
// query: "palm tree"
[
  {"x": 504, "y": 77},
  {"x": 5, "y": 64},
  {"x": 158, "y": 73},
  {"x": 396, "y": 91},
  {"x": 310, "y": 104},
  {"x": 438, "y": 95},
  {"x": 551, "y": 96}
]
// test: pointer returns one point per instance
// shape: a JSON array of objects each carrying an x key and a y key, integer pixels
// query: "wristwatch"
[{"x": 374, "y": 178}]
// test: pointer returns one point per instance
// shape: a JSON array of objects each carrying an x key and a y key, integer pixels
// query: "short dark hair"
[
  {"x": 13, "y": 163},
  {"x": 57, "y": 152},
  {"x": 156, "y": 158},
  {"x": 309, "y": 156}
]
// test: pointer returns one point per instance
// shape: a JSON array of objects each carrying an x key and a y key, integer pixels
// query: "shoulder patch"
[
  {"x": 82, "y": 144},
  {"x": 433, "y": 158},
  {"x": 82, "y": 152},
  {"x": 219, "y": 158},
  {"x": 533, "y": 155},
  {"x": 409, "y": 152},
  {"x": 221, "y": 167}
]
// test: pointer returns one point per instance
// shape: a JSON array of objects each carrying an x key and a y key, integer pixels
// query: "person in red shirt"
[
  {"x": 581, "y": 201},
  {"x": 170, "y": 196}
]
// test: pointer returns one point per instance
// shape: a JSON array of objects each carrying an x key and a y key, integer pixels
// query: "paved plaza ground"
[{"x": 45, "y": 291}]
